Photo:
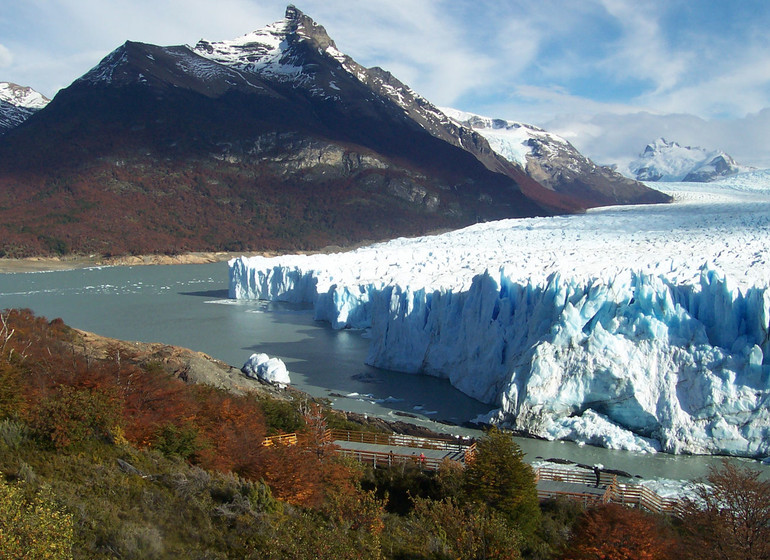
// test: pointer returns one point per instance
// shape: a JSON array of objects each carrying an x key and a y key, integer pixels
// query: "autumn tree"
[
  {"x": 615, "y": 532},
  {"x": 729, "y": 518},
  {"x": 498, "y": 478}
]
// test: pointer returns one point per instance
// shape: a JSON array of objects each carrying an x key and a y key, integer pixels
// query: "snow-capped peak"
[
  {"x": 22, "y": 96},
  {"x": 266, "y": 50},
  {"x": 17, "y": 104},
  {"x": 662, "y": 160},
  {"x": 510, "y": 139},
  {"x": 553, "y": 162}
]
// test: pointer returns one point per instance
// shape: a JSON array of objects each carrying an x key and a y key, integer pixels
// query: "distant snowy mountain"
[
  {"x": 17, "y": 104},
  {"x": 553, "y": 162},
  {"x": 643, "y": 328},
  {"x": 668, "y": 161}
]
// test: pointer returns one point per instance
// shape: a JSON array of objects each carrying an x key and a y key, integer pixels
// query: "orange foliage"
[
  {"x": 730, "y": 519},
  {"x": 235, "y": 428},
  {"x": 152, "y": 399},
  {"x": 230, "y": 427},
  {"x": 305, "y": 475},
  {"x": 310, "y": 473},
  {"x": 615, "y": 532}
]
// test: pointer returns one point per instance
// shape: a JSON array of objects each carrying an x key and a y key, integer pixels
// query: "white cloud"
[
  {"x": 6, "y": 58},
  {"x": 618, "y": 138},
  {"x": 420, "y": 42},
  {"x": 742, "y": 88},
  {"x": 642, "y": 51}
]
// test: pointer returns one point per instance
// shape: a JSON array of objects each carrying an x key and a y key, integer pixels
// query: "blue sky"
[{"x": 610, "y": 75}]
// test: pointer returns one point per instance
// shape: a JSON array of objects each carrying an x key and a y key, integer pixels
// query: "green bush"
[
  {"x": 183, "y": 442},
  {"x": 71, "y": 415},
  {"x": 11, "y": 396},
  {"x": 13, "y": 433},
  {"x": 241, "y": 495},
  {"x": 281, "y": 416},
  {"x": 447, "y": 530},
  {"x": 559, "y": 516},
  {"x": 400, "y": 484},
  {"x": 33, "y": 526}
]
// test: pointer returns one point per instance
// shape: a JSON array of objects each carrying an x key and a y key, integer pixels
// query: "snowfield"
[{"x": 635, "y": 327}]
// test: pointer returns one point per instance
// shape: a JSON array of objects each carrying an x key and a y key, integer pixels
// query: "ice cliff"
[{"x": 640, "y": 328}]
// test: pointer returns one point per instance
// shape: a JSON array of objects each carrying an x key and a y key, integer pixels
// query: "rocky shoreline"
[
  {"x": 73, "y": 262},
  {"x": 196, "y": 367},
  {"x": 45, "y": 264}
]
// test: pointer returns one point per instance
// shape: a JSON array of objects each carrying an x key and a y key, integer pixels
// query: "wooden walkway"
[
  {"x": 553, "y": 482},
  {"x": 391, "y": 449},
  {"x": 380, "y": 449}
]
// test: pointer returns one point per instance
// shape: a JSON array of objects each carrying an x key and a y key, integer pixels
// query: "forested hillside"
[{"x": 108, "y": 453}]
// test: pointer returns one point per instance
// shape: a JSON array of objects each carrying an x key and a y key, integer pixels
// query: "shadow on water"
[
  {"x": 331, "y": 364},
  {"x": 221, "y": 294}
]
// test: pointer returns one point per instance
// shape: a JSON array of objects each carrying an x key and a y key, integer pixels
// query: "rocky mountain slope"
[
  {"x": 274, "y": 140},
  {"x": 17, "y": 104},
  {"x": 668, "y": 161},
  {"x": 555, "y": 163}
]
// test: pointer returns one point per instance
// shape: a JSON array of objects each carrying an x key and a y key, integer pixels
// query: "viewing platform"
[
  {"x": 387, "y": 450},
  {"x": 581, "y": 485}
]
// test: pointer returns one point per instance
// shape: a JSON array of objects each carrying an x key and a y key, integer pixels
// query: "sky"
[{"x": 608, "y": 75}]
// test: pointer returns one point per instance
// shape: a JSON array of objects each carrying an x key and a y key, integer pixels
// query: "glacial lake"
[{"x": 187, "y": 305}]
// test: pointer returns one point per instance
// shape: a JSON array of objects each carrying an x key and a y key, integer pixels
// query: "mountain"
[
  {"x": 17, "y": 104},
  {"x": 668, "y": 161},
  {"x": 555, "y": 163},
  {"x": 274, "y": 140}
]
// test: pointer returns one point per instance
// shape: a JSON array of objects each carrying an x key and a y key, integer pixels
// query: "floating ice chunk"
[{"x": 261, "y": 366}]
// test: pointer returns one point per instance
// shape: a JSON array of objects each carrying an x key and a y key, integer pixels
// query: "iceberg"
[
  {"x": 644, "y": 328},
  {"x": 263, "y": 367}
]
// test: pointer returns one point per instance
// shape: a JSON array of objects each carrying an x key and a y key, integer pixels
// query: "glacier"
[{"x": 637, "y": 327}]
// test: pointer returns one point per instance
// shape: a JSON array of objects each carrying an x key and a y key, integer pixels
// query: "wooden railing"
[
  {"x": 587, "y": 499},
  {"x": 606, "y": 481},
  {"x": 459, "y": 451},
  {"x": 574, "y": 477},
  {"x": 398, "y": 440},
  {"x": 632, "y": 495},
  {"x": 642, "y": 497},
  {"x": 380, "y": 459},
  {"x": 283, "y": 439}
]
